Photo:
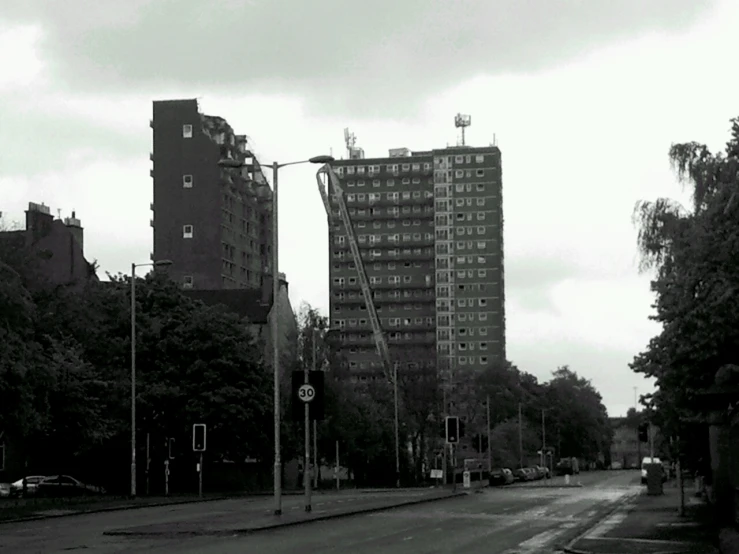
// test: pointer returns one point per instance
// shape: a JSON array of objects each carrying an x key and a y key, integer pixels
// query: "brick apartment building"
[
  {"x": 213, "y": 223},
  {"x": 53, "y": 246},
  {"x": 430, "y": 227}
]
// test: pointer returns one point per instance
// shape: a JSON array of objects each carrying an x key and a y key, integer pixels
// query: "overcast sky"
[{"x": 583, "y": 98}]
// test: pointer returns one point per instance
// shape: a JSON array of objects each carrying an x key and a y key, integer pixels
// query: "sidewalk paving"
[
  {"x": 652, "y": 525},
  {"x": 259, "y": 517}
]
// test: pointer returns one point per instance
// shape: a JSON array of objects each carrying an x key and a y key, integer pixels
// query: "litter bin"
[{"x": 654, "y": 479}]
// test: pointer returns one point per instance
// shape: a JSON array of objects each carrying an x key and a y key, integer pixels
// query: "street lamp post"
[
  {"x": 159, "y": 263},
  {"x": 237, "y": 164}
]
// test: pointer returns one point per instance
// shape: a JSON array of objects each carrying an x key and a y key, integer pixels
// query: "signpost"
[
  {"x": 170, "y": 456},
  {"x": 306, "y": 393},
  {"x": 198, "y": 445}
]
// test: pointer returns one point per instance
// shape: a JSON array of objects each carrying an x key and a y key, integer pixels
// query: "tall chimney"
[{"x": 75, "y": 228}]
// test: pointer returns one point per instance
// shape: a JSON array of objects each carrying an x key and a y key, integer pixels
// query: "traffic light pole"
[
  {"x": 200, "y": 476},
  {"x": 453, "y": 462}
]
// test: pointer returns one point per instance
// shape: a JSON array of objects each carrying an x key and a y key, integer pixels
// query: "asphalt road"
[{"x": 506, "y": 520}]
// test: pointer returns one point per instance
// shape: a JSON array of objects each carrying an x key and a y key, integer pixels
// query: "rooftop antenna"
[
  {"x": 462, "y": 122},
  {"x": 350, "y": 140}
]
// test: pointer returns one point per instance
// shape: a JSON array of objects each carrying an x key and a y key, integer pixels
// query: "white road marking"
[
  {"x": 535, "y": 543},
  {"x": 606, "y": 525}
]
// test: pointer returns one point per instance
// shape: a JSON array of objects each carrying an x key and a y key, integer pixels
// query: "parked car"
[
  {"x": 521, "y": 474},
  {"x": 4, "y": 490},
  {"x": 32, "y": 481},
  {"x": 64, "y": 485},
  {"x": 567, "y": 466},
  {"x": 543, "y": 471},
  {"x": 501, "y": 476},
  {"x": 497, "y": 477}
]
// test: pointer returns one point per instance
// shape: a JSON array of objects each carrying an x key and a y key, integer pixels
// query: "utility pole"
[
  {"x": 397, "y": 429},
  {"x": 543, "y": 438},
  {"x": 636, "y": 430},
  {"x": 316, "y": 468},
  {"x": 520, "y": 436},
  {"x": 306, "y": 460},
  {"x": 490, "y": 457}
]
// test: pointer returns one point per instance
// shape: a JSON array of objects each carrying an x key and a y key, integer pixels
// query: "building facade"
[
  {"x": 51, "y": 249},
  {"x": 430, "y": 228},
  {"x": 213, "y": 223}
]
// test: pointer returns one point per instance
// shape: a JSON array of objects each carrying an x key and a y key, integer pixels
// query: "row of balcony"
[
  {"x": 367, "y": 339},
  {"x": 384, "y": 298}
]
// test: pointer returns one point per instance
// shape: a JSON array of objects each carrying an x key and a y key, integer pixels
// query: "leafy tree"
[{"x": 694, "y": 254}]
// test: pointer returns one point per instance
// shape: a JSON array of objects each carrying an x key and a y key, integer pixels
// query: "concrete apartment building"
[
  {"x": 430, "y": 227},
  {"x": 214, "y": 224}
]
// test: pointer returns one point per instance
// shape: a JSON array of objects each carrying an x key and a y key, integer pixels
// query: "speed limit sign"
[{"x": 306, "y": 392}]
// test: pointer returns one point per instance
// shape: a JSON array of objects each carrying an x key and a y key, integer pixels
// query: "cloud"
[{"x": 377, "y": 57}]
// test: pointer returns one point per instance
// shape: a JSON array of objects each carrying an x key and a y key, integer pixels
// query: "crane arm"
[{"x": 338, "y": 195}]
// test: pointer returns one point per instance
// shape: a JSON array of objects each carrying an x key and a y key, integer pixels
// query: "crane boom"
[{"x": 338, "y": 195}]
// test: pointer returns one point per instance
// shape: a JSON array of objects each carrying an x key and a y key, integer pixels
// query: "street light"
[
  {"x": 237, "y": 164},
  {"x": 158, "y": 263}
]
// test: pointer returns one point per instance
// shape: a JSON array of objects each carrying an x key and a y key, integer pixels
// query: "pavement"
[
  {"x": 647, "y": 524},
  {"x": 503, "y": 520}
]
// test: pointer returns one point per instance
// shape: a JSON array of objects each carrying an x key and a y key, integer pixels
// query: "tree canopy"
[{"x": 694, "y": 254}]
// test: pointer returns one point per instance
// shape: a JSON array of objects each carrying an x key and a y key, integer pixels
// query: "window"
[
  {"x": 187, "y": 181},
  {"x": 481, "y": 245},
  {"x": 459, "y": 174},
  {"x": 187, "y": 131},
  {"x": 480, "y": 173},
  {"x": 479, "y": 158},
  {"x": 480, "y": 187},
  {"x": 375, "y": 182},
  {"x": 350, "y": 170},
  {"x": 187, "y": 231},
  {"x": 391, "y": 182},
  {"x": 480, "y": 216},
  {"x": 480, "y": 201},
  {"x": 187, "y": 282},
  {"x": 483, "y": 301},
  {"x": 483, "y": 359},
  {"x": 481, "y": 273}
]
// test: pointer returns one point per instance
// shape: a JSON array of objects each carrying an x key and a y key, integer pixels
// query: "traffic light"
[
  {"x": 643, "y": 432},
  {"x": 198, "y": 437},
  {"x": 452, "y": 429}
]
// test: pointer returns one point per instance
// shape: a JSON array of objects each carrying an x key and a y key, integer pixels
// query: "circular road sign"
[{"x": 306, "y": 393}]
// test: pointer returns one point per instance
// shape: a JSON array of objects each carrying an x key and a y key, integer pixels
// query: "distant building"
[
  {"x": 625, "y": 448},
  {"x": 430, "y": 229},
  {"x": 51, "y": 249},
  {"x": 213, "y": 223}
]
